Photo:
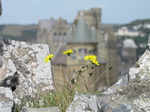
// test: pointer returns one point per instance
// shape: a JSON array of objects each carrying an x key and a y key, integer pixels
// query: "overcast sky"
[{"x": 113, "y": 11}]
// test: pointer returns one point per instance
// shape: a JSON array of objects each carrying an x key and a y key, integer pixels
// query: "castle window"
[
  {"x": 64, "y": 37},
  {"x": 60, "y": 38},
  {"x": 106, "y": 37},
  {"x": 55, "y": 37},
  {"x": 45, "y": 30},
  {"x": 92, "y": 52},
  {"x": 73, "y": 55},
  {"x": 82, "y": 52}
]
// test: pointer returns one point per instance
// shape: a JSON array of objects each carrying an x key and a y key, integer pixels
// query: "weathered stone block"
[
  {"x": 84, "y": 103},
  {"x": 6, "y": 100},
  {"x": 133, "y": 95},
  {"x": 27, "y": 60},
  {"x": 50, "y": 109}
]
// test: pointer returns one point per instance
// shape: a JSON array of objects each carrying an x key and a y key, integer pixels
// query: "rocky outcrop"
[
  {"x": 86, "y": 103},
  {"x": 132, "y": 94},
  {"x": 22, "y": 68},
  {"x": 6, "y": 100}
]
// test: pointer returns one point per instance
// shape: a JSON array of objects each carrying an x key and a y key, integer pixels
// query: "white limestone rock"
[
  {"x": 8, "y": 68},
  {"x": 6, "y": 100},
  {"x": 49, "y": 109},
  {"x": 28, "y": 61},
  {"x": 142, "y": 69},
  {"x": 134, "y": 96},
  {"x": 84, "y": 103}
]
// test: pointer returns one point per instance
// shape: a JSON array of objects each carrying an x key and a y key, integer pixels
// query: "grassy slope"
[{"x": 16, "y": 31}]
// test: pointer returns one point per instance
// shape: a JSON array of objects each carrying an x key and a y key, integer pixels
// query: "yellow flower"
[
  {"x": 86, "y": 57},
  {"x": 48, "y": 58},
  {"x": 95, "y": 62},
  {"x": 68, "y": 52},
  {"x": 92, "y": 58}
]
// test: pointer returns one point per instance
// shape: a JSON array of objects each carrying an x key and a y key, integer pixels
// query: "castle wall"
[{"x": 108, "y": 50}]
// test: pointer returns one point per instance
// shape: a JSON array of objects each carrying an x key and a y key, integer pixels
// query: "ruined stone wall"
[{"x": 23, "y": 68}]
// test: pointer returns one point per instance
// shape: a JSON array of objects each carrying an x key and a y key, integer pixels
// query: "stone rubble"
[
  {"x": 50, "y": 109},
  {"x": 84, "y": 103},
  {"x": 134, "y": 96},
  {"x": 6, "y": 100},
  {"x": 27, "y": 60}
]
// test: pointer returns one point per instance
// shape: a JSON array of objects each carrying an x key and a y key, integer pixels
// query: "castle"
[{"x": 84, "y": 37}]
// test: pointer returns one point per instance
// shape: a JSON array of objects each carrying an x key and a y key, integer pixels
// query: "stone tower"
[
  {"x": 107, "y": 48},
  {"x": 83, "y": 40},
  {"x": 106, "y": 42},
  {"x": 92, "y": 17}
]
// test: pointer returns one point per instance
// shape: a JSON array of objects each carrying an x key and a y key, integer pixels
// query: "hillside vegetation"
[
  {"x": 131, "y": 24},
  {"x": 137, "y": 22},
  {"x": 19, "y": 32}
]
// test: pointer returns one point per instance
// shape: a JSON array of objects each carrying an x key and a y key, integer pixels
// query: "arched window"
[
  {"x": 82, "y": 52},
  {"x": 92, "y": 52},
  {"x": 64, "y": 37},
  {"x": 73, "y": 55},
  {"x": 60, "y": 39},
  {"x": 55, "y": 37}
]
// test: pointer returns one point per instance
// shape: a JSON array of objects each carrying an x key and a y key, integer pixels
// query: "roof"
[
  {"x": 101, "y": 60},
  {"x": 129, "y": 43},
  {"x": 46, "y": 24},
  {"x": 82, "y": 34},
  {"x": 59, "y": 57}
]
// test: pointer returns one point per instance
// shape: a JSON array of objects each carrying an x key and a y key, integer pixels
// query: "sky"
[{"x": 113, "y": 11}]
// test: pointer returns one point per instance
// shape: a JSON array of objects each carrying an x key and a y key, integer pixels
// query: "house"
[{"x": 124, "y": 31}]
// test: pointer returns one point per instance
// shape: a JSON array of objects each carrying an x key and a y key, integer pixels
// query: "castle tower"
[
  {"x": 92, "y": 17},
  {"x": 107, "y": 48},
  {"x": 83, "y": 41}
]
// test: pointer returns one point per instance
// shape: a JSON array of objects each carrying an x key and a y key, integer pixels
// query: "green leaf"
[
  {"x": 110, "y": 68},
  {"x": 90, "y": 74},
  {"x": 92, "y": 67},
  {"x": 72, "y": 81}
]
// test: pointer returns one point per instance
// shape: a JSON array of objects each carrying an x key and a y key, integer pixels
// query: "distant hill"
[
  {"x": 129, "y": 25},
  {"x": 137, "y": 22},
  {"x": 19, "y": 32}
]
